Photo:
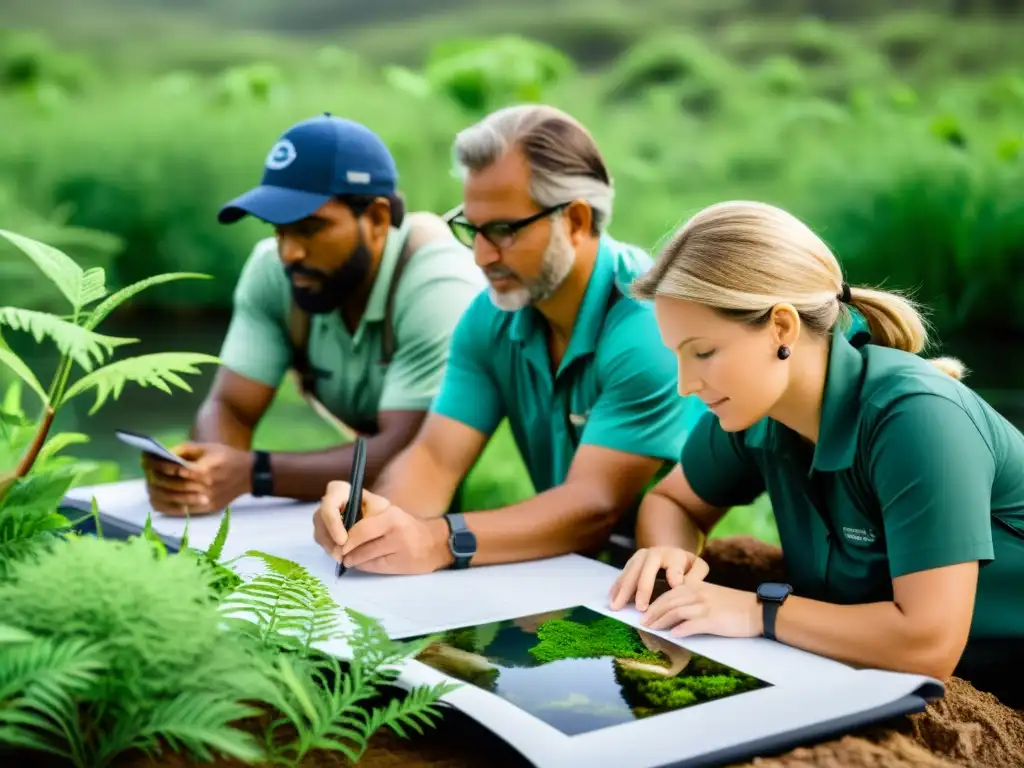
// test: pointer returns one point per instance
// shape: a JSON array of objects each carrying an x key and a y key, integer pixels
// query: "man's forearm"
[
  {"x": 216, "y": 422},
  {"x": 874, "y": 635},
  {"x": 663, "y": 523},
  {"x": 565, "y": 519},
  {"x": 417, "y": 483}
]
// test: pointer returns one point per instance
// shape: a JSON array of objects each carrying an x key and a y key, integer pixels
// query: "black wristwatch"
[
  {"x": 262, "y": 477},
  {"x": 461, "y": 540},
  {"x": 771, "y": 595}
]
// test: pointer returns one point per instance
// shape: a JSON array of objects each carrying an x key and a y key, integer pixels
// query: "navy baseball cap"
[{"x": 310, "y": 163}]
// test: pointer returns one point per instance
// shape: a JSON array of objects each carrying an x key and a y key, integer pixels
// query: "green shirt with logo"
[
  {"x": 615, "y": 387},
  {"x": 912, "y": 471},
  {"x": 438, "y": 283}
]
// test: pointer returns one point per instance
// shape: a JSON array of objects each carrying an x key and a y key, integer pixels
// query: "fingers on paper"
[
  {"x": 645, "y": 581},
  {"x": 327, "y": 520},
  {"x": 684, "y": 606},
  {"x": 374, "y": 549}
]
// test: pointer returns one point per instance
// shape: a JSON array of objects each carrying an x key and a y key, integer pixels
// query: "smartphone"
[{"x": 149, "y": 445}]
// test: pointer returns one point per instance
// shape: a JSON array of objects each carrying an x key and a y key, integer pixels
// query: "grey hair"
[{"x": 565, "y": 162}]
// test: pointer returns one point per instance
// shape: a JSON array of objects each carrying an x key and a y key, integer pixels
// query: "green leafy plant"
[
  {"x": 33, "y": 476},
  {"x": 91, "y": 672}
]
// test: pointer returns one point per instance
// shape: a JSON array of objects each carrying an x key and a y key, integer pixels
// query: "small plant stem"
[{"x": 37, "y": 443}]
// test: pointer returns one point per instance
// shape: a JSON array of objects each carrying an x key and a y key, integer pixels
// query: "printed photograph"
[{"x": 579, "y": 670}]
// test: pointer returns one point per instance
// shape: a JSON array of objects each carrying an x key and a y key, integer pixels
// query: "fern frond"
[
  {"x": 413, "y": 711},
  {"x": 195, "y": 721},
  {"x": 115, "y": 300},
  {"x": 16, "y": 364},
  {"x": 216, "y": 548},
  {"x": 157, "y": 370},
  {"x": 295, "y": 612},
  {"x": 373, "y": 649},
  {"x": 41, "y": 683},
  {"x": 80, "y": 287},
  {"x": 78, "y": 343}
]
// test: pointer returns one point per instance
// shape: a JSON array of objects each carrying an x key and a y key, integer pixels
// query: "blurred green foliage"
[{"x": 900, "y": 138}]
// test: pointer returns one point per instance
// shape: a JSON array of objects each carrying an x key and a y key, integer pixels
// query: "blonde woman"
[{"x": 898, "y": 492}]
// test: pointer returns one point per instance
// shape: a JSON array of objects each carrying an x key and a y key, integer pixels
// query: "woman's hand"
[
  {"x": 697, "y": 607},
  {"x": 636, "y": 582}
]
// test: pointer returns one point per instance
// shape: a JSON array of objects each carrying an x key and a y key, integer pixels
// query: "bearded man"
[
  {"x": 355, "y": 297},
  {"x": 555, "y": 345}
]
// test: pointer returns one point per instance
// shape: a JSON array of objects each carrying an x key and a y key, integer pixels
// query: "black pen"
[{"x": 355, "y": 493}]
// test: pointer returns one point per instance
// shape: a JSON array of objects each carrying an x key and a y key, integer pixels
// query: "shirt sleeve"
[
  {"x": 257, "y": 345},
  {"x": 423, "y": 332},
  {"x": 719, "y": 467},
  {"x": 469, "y": 392},
  {"x": 932, "y": 472},
  {"x": 639, "y": 409}
]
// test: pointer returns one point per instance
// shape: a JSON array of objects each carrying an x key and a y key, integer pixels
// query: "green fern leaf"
[
  {"x": 198, "y": 721},
  {"x": 113, "y": 301},
  {"x": 78, "y": 343},
  {"x": 78, "y": 286},
  {"x": 157, "y": 370},
  {"x": 16, "y": 364},
  {"x": 216, "y": 548}
]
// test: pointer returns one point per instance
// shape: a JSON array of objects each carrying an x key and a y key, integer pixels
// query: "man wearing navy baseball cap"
[{"x": 354, "y": 296}]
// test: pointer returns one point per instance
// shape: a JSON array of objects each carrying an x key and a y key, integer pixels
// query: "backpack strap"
[
  {"x": 424, "y": 227},
  {"x": 298, "y": 333}
]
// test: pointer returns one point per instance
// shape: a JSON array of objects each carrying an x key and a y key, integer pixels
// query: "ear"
[
  {"x": 376, "y": 220},
  {"x": 579, "y": 218},
  {"x": 785, "y": 324}
]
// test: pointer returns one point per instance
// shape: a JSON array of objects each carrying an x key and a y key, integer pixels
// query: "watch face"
[
  {"x": 463, "y": 544},
  {"x": 773, "y": 591}
]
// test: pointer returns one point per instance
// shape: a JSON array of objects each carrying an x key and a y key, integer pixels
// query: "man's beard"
[
  {"x": 336, "y": 287},
  {"x": 559, "y": 256}
]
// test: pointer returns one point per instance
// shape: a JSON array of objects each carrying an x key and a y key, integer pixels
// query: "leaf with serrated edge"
[
  {"x": 80, "y": 344},
  {"x": 16, "y": 364},
  {"x": 113, "y": 301},
  {"x": 56, "y": 265},
  {"x": 155, "y": 370},
  {"x": 80, "y": 287}
]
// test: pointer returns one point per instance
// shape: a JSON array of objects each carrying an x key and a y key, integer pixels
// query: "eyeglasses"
[{"x": 500, "y": 234}]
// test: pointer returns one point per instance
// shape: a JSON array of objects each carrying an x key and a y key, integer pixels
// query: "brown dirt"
[{"x": 966, "y": 727}]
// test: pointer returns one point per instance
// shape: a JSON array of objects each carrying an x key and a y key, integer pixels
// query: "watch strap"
[
  {"x": 769, "y": 609},
  {"x": 461, "y": 541},
  {"x": 262, "y": 476}
]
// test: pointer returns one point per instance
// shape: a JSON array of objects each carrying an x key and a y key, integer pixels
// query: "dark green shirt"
[{"x": 912, "y": 470}]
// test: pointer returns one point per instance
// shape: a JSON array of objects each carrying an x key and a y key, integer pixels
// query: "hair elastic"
[{"x": 844, "y": 296}]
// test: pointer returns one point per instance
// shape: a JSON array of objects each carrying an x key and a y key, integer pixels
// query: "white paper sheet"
[{"x": 806, "y": 690}]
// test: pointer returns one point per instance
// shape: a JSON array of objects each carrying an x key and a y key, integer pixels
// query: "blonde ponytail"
[{"x": 895, "y": 322}]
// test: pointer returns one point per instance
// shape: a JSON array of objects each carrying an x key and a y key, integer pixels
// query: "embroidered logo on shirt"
[{"x": 859, "y": 535}]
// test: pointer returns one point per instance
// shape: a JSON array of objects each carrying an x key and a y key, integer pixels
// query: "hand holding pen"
[{"x": 362, "y": 530}]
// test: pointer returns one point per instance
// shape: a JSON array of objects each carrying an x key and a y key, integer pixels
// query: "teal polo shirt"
[
  {"x": 912, "y": 470},
  {"x": 615, "y": 387}
]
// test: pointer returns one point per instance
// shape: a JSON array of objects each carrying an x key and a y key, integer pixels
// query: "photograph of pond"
[{"x": 579, "y": 670}]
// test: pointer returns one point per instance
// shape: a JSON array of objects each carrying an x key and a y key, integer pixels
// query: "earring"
[{"x": 783, "y": 352}]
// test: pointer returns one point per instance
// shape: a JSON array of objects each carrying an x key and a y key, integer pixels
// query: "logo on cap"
[{"x": 281, "y": 155}]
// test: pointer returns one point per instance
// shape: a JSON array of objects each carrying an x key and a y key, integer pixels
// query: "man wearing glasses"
[{"x": 556, "y": 345}]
